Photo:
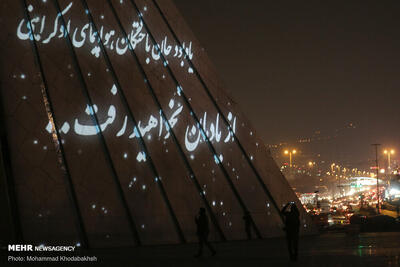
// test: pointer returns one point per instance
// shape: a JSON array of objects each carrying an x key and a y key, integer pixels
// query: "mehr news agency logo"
[
  {"x": 40, "y": 248},
  {"x": 43, "y": 248}
]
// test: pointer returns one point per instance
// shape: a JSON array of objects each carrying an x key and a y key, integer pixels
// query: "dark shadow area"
[{"x": 332, "y": 249}]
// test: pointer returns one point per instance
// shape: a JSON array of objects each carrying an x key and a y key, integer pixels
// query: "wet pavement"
[{"x": 330, "y": 249}]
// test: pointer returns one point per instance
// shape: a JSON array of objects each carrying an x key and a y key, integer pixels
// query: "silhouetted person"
[
  {"x": 202, "y": 232},
  {"x": 292, "y": 227},
  {"x": 247, "y": 224}
]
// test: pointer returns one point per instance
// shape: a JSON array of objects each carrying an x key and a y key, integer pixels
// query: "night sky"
[{"x": 296, "y": 67}]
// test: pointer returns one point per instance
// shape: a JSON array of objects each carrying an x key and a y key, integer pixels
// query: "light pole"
[
  {"x": 339, "y": 186},
  {"x": 377, "y": 174},
  {"x": 388, "y": 153},
  {"x": 288, "y": 152},
  {"x": 312, "y": 168}
]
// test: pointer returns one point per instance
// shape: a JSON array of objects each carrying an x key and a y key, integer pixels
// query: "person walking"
[
  {"x": 202, "y": 232},
  {"x": 292, "y": 227},
  {"x": 247, "y": 224}
]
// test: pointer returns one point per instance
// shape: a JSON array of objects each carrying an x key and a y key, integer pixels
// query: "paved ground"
[{"x": 331, "y": 249}]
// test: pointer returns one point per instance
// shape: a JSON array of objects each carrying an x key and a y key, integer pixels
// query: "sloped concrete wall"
[{"x": 119, "y": 129}]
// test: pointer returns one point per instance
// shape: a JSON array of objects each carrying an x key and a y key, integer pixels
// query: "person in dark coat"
[
  {"x": 292, "y": 227},
  {"x": 202, "y": 232},
  {"x": 247, "y": 224}
]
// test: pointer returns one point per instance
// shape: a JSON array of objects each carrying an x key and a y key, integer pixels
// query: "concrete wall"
[{"x": 118, "y": 144}]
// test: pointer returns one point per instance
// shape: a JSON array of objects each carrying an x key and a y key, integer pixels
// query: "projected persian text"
[
  {"x": 87, "y": 34},
  {"x": 193, "y": 134}
]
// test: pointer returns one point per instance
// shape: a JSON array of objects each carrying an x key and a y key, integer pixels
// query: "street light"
[
  {"x": 288, "y": 152},
  {"x": 388, "y": 153},
  {"x": 332, "y": 167},
  {"x": 377, "y": 176}
]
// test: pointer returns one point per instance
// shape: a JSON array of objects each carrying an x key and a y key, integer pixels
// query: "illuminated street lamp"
[
  {"x": 388, "y": 153},
  {"x": 288, "y": 152}
]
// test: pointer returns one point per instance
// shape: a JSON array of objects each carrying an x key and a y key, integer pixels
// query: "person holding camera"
[
  {"x": 202, "y": 232},
  {"x": 292, "y": 228}
]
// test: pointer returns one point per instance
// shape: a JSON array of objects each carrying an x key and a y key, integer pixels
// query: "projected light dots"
[
  {"x": 152, "y": 126},
  {"x": 193, "y": 136},
  {"x": 114, "y": 90},
  {"x": 132, "y": 182},
  {"x": 104, "y": 210}
]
